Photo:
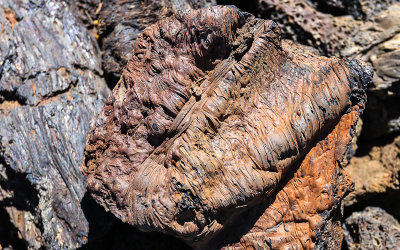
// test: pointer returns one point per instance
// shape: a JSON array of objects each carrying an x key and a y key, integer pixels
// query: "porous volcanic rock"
[
  {"x": 212, "y": 118},
  {"x": 118, "y": 23},
  {"x": 50, "y": 91},
  {"x": 372, "y": 228}
]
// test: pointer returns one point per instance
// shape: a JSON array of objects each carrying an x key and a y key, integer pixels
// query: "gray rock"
[
  {"x": 50, "y": 91},
  {"x": 372, "y": 228}
]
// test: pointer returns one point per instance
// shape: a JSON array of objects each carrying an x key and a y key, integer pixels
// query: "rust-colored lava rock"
[{"x": 213, "y": 119}]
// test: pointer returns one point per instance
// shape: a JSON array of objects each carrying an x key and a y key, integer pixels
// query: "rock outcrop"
[
  {"x": 370, "y": 31},
  {"x": 212, "y": 119},
  {"x": 52, "y": 86}
]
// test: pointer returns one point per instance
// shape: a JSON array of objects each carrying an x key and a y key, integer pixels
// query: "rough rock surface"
[
  {"x": 118, "y": 23},
  {"x": 209, "y": 119},
  {"x": 372, "y": 228},
  {"x": 375, "y": 172},
  {"x": 306, "y": 212},
  {"x": 368, "y": 30},
  {"x": 50, "y": 91},
  {"x": 376, "y": 178},
  {"x": 363, "y": 29}
]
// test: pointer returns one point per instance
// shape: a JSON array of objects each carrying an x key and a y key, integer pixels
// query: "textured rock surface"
[
  {"x": 372, "y": 228},
  {"x": 376, "y": 178},
  {"x": 118, "y": 23},
  {"x": 375, "y": 172},
  {"x": 305, "y": 213},
  {"x": 363, "y": 29},
  {"x": 208, "y": 120},
  {"x": 50, "y": 91},
  {"x": 367, "y": 30},
  {"x": 377, "y": 41}
]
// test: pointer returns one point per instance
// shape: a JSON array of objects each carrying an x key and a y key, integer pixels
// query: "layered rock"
[
  {"x": 50, "y": 91},
  {"x": 212, "y": 119},
  {"x": 306, "y": 212}
]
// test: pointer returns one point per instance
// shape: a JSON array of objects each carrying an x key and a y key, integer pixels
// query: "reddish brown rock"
[
  {"x": 210, "y": 120},
  {"x": 305, "y": 213},
  {"x": 117, "y": 24},
  {"x": 370, "y": 31},
  {"x": 362, "y": 29},
  {"x": 376, "y": 172}
]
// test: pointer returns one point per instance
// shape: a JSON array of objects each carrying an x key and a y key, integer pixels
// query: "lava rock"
[
  {"x": 51, "y": 89},
  {"x": 370, "y": 31},
  {"x": 376, "y": 178},
  {"x": 362, "y": 29},
  {"x": 372, "y": 228},
  {"x": 209, "y": 119},
  {"x": 118, "y": 23},
  {"x": 305, "y": 212}
]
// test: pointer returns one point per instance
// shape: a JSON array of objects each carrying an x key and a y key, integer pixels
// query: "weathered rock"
[
  {"x": 10, "y": 238},
  {"x": 119, "y": 22},
  {"x": 335, "y": 33},
  {"x": 360, "y": 9},
  {"x": 376, "y": 178},
  {"x": 50, "y": 91},
  {"x": 209, "y": 119},
  {"x": 375, "y": 172},
  {"x": 362, "y": 29},
  {"x": 366, "y": 30},
  {"x": 303, "y": 22},
  {"x": 306, "y": 212},
  {"x": 372, "y": 228},
  {"x": 377, "y": 41}
]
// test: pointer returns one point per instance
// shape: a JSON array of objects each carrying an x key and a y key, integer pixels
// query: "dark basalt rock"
[
  {"x": 212, "y": 119},
  {"x": 372, "y": 228},
  {"x": 50, "y": 91}
]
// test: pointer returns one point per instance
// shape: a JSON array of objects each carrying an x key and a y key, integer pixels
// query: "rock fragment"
[
  {"x": 209, "y": 119},
  {"x": 376, "y": 178},
  {"x": 306, "y": 212},
  {"x": 372, "y": 228},
  {"x": 366, "y": 30}
]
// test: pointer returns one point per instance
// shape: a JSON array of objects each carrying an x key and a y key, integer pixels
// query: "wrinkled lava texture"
[{"x": 212, "y": 119}]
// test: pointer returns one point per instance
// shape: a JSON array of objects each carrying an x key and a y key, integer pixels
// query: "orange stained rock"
[
  {"x": 306, "y": 204},
  {"x": 209, "y": 119}
]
